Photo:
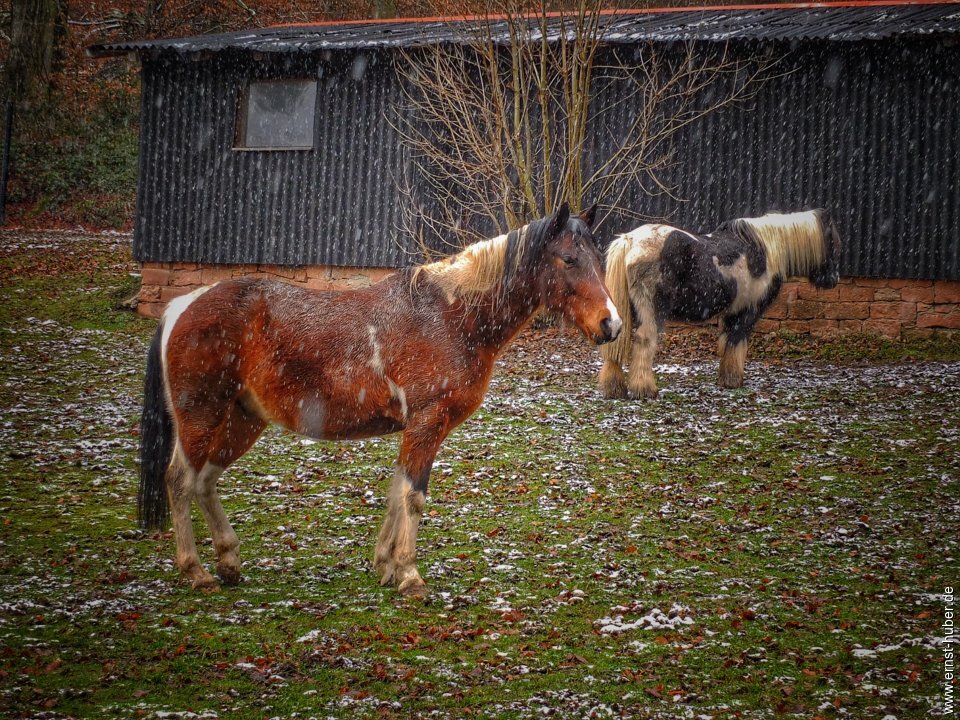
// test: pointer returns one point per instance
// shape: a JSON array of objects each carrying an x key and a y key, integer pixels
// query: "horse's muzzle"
[{"x": 826, "y": 281}]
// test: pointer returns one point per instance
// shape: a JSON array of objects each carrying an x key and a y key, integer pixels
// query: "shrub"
[{"x": 77, "y": 162}]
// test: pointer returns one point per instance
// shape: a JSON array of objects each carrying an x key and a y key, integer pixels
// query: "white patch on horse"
[
  {"x": 615, "y": 322},
  {"x": 750, "y": 289},
  {"x": 375, "y": 362},
  {"x": 313, "y": 415},
  {"x": 397, "y": 393},
  {"x": 645, "y": 243},
  {"x": 171, "y": 314},
  {"x": 361, "y": 395},
  {"x": 175, "y": 308}
]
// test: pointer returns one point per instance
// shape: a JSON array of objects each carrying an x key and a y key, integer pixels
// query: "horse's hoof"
[
  {"x": 731, "y": 383},
  {"x": 228, "y": 574},
  {"x": 612, "y": 382},
  {"x": 644, "y": 393},
  {"x": 413, "y": 588},
  {"x": 614, "y": 392},
  {"x": 198, "y": 577},
  {"x": 386, "y": 574},
  {"x": 206, "y": 584}
]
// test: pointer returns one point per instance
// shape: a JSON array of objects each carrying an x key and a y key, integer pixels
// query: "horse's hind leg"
[
  {"x": 237, "y": 434},
  {"x": 181, "y": 482},
  {"x": 225, "y": 540}
]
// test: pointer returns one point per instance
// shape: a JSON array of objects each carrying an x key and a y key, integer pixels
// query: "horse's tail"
[
  {"x": 617, "y": 282},
  {"x": 156, "y": 442}
]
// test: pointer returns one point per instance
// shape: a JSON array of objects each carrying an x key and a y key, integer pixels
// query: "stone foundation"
[{"x": 857, "y": 305}]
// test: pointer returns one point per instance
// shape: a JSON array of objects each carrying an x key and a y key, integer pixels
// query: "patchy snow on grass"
[{"x": 656, "y": 619}]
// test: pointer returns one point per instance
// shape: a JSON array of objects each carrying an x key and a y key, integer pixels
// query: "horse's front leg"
[
  {"x": 395, "y": 556},
  {"x": 642, "y": 382},
  {"x": 734, "y": 339},
  {"x": 396, "y": 553},
  {"x": 612, "y": 381}
]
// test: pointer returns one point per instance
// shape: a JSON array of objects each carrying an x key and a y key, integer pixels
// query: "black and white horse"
[{"x": 664, "y": 273}]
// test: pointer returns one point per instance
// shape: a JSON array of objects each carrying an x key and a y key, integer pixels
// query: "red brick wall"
[
  {"x": 856, "y": 305},
  {"x": 868, "y": 305},
  {"x": 161, "y": 282}
]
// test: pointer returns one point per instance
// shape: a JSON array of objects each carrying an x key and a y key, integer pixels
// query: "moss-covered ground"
[{"x": 774, "y": 551}]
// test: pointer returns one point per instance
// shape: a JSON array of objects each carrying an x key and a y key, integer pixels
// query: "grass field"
[{"x": 775, "y": 551}]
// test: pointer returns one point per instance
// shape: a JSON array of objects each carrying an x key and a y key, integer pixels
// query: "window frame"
[{"x": 243, "y": 111}]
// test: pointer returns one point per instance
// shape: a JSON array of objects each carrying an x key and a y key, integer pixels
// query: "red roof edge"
[{"x": 636, "y": 11}]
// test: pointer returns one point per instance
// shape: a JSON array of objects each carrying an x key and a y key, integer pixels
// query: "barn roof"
[{"x": 841, "y": 21}]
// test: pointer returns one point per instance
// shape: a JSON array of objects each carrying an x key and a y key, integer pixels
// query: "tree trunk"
[{"x": 37, "y": 28}]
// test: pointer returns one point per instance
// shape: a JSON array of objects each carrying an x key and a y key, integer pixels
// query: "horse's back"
[
  {"x": 643, "y": 245},
  {"x": 245, "y": 300},
  {"x": 690, "y": 288}
]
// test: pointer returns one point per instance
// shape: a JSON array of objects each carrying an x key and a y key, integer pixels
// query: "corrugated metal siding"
[
  {"x": 200, "y": 200},
  {"x": 871, "y": 131}
]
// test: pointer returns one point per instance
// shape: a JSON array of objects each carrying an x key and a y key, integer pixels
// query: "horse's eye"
[{"x": 570, "y": 260}]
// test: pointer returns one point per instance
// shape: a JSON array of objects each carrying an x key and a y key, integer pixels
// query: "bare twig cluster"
[{"x": 511, "y": 117}]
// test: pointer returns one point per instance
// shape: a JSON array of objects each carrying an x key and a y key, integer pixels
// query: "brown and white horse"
[
  {"x": 658, "y": 272},
  {"x": 412, "y": 354}
]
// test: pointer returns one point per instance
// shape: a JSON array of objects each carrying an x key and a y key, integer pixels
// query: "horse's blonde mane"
[
  {"x": 618, "y": 285},
  {"x": 475, "y": 271},
  {"x": 793, "y": 241}
]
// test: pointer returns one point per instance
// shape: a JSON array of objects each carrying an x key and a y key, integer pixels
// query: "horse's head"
[
  {"x": 826, "y": 275},
  {"x": 571, "y": 280}
]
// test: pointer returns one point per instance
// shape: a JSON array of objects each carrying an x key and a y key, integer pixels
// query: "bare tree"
[{"x": 499, "y": 120}]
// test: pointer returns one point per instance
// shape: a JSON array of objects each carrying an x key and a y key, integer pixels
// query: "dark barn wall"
[
  {"x": 199, "y": 200},
  {"x": 868, "y": 129}
]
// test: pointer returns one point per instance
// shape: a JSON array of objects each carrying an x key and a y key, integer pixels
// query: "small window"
[{"x": 277, "y": 115}]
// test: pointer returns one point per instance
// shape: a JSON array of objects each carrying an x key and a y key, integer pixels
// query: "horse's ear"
[
  {"x": 590, "y": 215},
  {"x": 559, "y": 220}
]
